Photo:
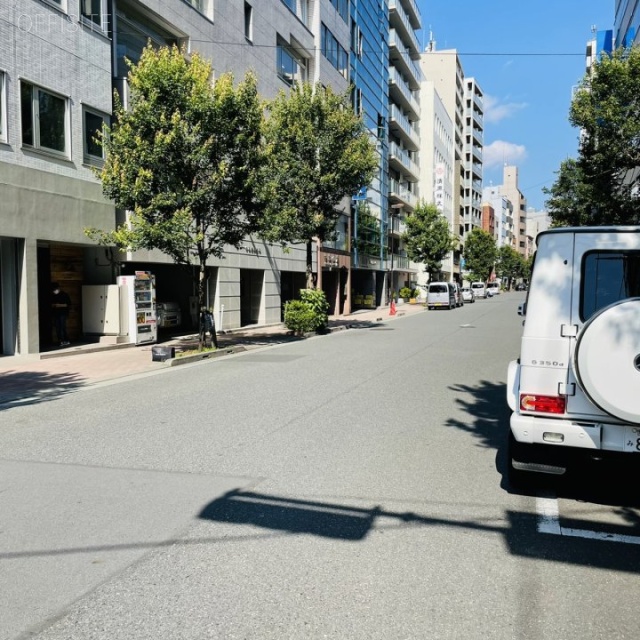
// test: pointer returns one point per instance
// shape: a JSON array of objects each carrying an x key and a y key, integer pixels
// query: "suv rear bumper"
[{"x": 581, "y": 435}]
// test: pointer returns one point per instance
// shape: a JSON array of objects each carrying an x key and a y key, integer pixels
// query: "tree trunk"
[{"x": 310, "y": 282}]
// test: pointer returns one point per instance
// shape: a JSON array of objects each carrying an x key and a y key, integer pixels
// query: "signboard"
[
  {"x": 438, "y": 187},
  {"x": 361, "y": 195}
]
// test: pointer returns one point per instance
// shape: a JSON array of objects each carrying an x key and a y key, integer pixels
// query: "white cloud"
[
  {"x": 500, "y": 152},
  {"x": 495, "y": 111}
]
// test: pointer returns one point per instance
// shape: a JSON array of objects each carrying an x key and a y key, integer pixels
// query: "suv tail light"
[{"x": 542, "y": 404}]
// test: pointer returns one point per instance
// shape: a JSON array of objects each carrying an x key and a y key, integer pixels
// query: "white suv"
[{"x": 576, "y": 387}]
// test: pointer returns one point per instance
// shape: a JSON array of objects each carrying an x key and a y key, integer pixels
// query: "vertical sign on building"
[{"x": 438, "y": 187}]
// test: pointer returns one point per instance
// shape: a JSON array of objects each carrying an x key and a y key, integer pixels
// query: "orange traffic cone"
[{"x": 392, "y": 308}]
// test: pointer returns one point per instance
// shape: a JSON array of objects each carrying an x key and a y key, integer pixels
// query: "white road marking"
[{"x": 549, "y": 522}]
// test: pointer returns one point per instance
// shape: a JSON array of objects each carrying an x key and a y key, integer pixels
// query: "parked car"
[
  {"x": 467, "y": 294},
  {"x": 493, "y": 288},
  {"x": 441, "y": 294},
  {"x": 521, "y": 286},
  {"x": 168, "y": 315},
  {"x": 479, "y": 289},
  {"x": 574, "y": 389},
  {"x": 458, "y": 294}
]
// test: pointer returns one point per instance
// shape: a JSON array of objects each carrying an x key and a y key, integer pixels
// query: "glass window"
[
  {"x": 3, "y": 108},
  {"x": 203, "y": 6},
  {"x": 291, "y": 68},
  {"x": 94, "y": 12},
  {"x": 44, "y": 119},
  {"x": 291, "y": 4},
  {"x": 342, "y": 7},
  {"x": 608, "y": 276},
  {"x": 93, "y": 125},
  {"x": 333, "y": 51},
  {"x": 248, "y": 21}
]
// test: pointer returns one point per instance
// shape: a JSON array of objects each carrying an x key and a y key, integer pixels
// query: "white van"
[
  {"x": 493, "y": 288},
  {"x": 441, "y": 294},
  {"x": 574, "y": 389},
  {"x": 479, "y": 290}
]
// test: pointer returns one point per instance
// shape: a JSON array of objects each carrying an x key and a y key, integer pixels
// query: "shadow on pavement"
[
  {"x": 611, "y": 482},
  {"x": 20, "y": 388}
]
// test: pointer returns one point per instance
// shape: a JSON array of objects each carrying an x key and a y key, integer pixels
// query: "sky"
[{"x": 526, "y": 97}]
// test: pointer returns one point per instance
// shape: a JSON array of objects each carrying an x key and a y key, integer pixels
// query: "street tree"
[
  {"x": 480, "y": 253},
  {"x": 317, "y": 152},
  {"x": 182, "y": 160},
  {"x": 570, "y": 203},
  {"x": 509, "y": 264},
  {"x": 604, "y": 185},
  {"x": 427, "y": 238}
]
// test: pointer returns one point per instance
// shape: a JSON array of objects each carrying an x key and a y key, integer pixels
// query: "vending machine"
[{"x": 138, "y": 307}]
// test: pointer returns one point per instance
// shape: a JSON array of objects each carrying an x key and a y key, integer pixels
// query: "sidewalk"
[{"x": 33, "y": 378}]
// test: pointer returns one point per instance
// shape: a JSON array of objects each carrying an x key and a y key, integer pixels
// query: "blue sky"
[{"x": 527, "y": 97}]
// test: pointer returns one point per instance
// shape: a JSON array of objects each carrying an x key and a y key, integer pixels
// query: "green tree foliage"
[
  {"x": 570, "y": 203},
  {"x": 307, "y": 314},
  {"x": 182, "y": 159},
  {"x": 368, "y": 238},
  {"x": 509, "y": 264},
  {"x": 601, "y": 187},
  {"x": 428, "y": 239},
  {"x": 480, "y": 253},
  {"x": 317, "y": 151}
]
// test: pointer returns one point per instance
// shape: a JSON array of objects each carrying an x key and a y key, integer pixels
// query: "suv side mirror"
[{"x": 522, "y": 309}]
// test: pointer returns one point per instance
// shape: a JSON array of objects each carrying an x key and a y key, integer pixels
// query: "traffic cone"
[{"x": 392, "y": 308}]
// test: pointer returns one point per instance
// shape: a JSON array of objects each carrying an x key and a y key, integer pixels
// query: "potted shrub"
[{"x": 406, "y": 293}]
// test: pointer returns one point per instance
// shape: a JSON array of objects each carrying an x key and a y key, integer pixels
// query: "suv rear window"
[{"x": 608, "y": 276}]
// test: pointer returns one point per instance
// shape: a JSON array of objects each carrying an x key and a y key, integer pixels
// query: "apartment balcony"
[
  {"x": 401, "y": 93},
  {"x": 400, "y": 160},
  {"x": 474, "y": 134},
  {"x": 477, "y": 101},
  {"x": 403, "y": 128},
  {"x": 401, "y": 57},
  {"x": 396, "y": 225},
  {"x": 476, "y": 152},
  {"x": 413, "y": 12},
  {"x": 478, "y": 119},
  {"x": 399, "y": 262},
  {"x": 401, "y": 195},
  {"x": 399, "y": 20}
]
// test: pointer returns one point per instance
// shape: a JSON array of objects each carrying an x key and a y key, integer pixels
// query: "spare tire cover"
[{"x": 607, "y": 359}]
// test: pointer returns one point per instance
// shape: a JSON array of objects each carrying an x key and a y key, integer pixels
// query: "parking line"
[{"x": 549, "y": 522}]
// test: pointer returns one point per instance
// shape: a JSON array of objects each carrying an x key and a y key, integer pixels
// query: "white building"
[{"x": 437, "y": 164}]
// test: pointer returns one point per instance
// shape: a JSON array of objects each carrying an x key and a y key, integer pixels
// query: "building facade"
[
  {"x": 626, "y": 23},
  {"x": 463, "y": 100},
  {"x": 55, "y": 93},
  {"x": 511, "y": 190},
  {"x": 503, "y": 211},
  {"x": 404, "y": 137},
  {"x": 437, "y": 162}
]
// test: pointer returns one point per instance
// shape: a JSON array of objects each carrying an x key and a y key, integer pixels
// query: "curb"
[{"x": 207, "y": 355}]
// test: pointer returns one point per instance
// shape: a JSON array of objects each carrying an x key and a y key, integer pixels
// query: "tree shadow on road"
[{"x": 20, "y": 388}]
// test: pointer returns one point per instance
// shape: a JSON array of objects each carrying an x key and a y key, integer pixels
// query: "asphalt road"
[{"x": 348, "y": 486}]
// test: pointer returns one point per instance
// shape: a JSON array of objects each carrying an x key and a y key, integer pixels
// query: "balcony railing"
[
  {"x": 404, "y": 18},
  {"x": 405, "y": 125},
  {"x": 404, "y": 157},
  {"x": 398, "y": 80}
]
